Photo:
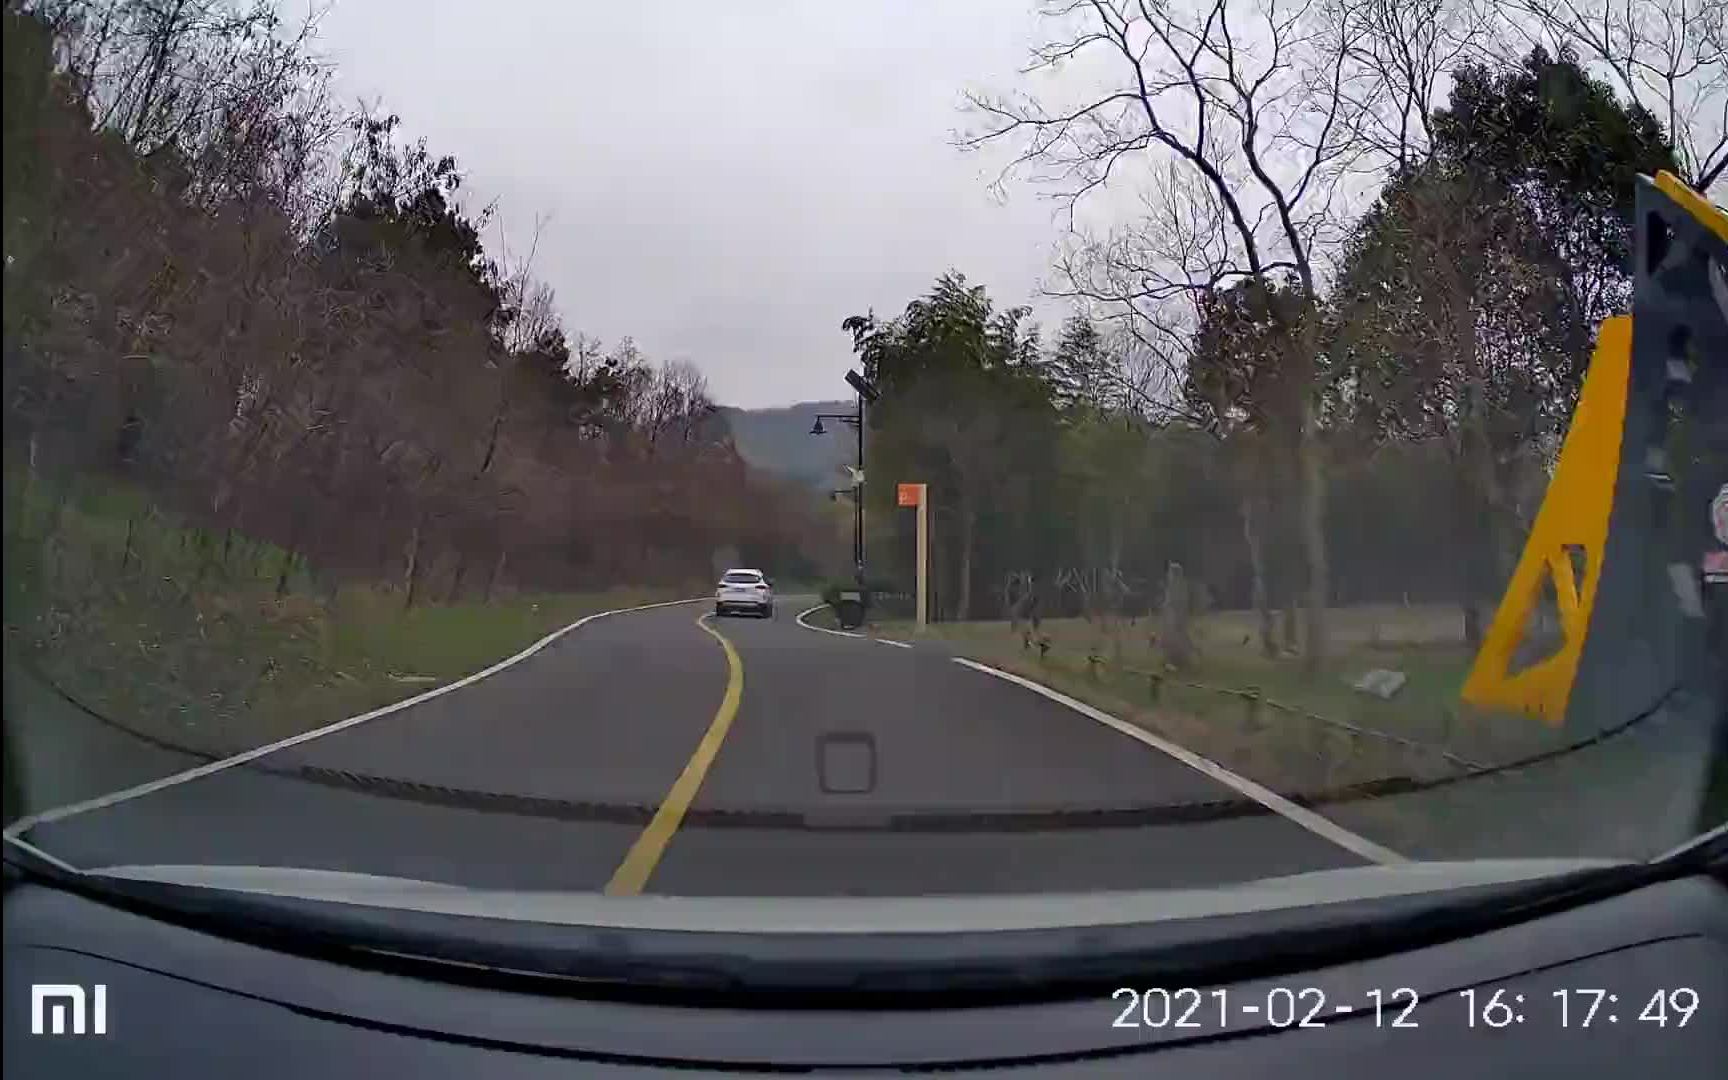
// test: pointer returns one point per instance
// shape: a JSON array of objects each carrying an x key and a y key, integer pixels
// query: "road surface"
[{"x": 664, "y": 751}]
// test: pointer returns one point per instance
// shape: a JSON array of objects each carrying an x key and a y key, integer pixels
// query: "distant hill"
[{"x": 779, "y": 440}]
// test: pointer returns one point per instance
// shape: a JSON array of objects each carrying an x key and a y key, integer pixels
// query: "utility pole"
[{"x": 858, "y": 496}]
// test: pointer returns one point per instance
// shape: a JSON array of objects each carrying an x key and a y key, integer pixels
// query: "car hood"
[{"x": 852, "y": 914}]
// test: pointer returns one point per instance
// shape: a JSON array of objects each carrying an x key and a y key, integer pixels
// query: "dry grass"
[{"x": 1209, "y": 711}]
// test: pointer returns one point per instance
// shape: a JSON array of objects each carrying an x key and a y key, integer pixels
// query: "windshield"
[{"x": 1185, "y": 450}]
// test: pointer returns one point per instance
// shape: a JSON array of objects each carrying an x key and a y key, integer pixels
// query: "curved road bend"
[{"x": 648, "y": 752}]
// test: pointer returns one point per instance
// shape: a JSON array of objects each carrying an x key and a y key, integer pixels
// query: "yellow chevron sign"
[
  {"x": 1566, "y": 545},
  {"x": 1574, "y": 515},
  {"x": 1565, "y": 549},
  {"x": 1708, "y": 214}
]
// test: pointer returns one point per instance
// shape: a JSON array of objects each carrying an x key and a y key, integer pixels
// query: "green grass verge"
[{"x": 181, "y": 633}]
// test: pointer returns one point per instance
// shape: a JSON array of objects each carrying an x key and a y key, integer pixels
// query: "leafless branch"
[{"x": 1670, "y": 56}]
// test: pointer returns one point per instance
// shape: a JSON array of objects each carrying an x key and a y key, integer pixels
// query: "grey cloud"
[{"x": 725, "y": 182}]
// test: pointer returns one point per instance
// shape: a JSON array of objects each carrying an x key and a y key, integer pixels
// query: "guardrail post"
[
  {"x": 1092, "y": 662},
  {"x": 1251, "y": 701},
  {"x": 1153, "y": 686}
]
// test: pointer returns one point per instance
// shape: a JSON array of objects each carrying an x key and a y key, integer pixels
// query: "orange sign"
[{"x": 910, "y": 494}]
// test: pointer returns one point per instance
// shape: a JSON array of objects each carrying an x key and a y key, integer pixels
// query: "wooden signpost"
[{"x": 918, "y": 495}]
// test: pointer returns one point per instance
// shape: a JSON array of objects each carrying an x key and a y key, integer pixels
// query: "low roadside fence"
[
  {"x": 1327, "y": 757},
  {"x": 1256, "y": 704}
]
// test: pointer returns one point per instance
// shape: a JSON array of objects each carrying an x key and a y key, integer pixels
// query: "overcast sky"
[{"x": 725, "y": 182}]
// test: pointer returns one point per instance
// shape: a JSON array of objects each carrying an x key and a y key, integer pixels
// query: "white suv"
[{"x": 744, "y": 590}]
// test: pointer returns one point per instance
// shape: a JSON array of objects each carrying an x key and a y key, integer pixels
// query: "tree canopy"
[{"x": 327, "y": 355}]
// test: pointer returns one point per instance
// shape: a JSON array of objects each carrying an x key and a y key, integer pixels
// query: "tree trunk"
[
  {"x": 1312, "y": 457},
  {"x": 24, "y": 502},
  {"x": 1472, "y": 624},
  {"x": 492, "y": 578},
  {"x": 456, "y": 578},
  {"x": 968, "y": 524},
  {"x": 383, "y": 561},
  {"x": 1253, "y": 515},
  {"x": 1289, "y": 642},
  {"x": 492, "y": 442},
  {"x": 1111, "y": 591},
  {"x": 57, "y": 516},
  {"x": 1174, "y": 636},
  {"x": 411, "y": 573},
  {"x": 1466, "y": 513},
  {"x": 283, "y": 574},
  {"x": 1479, "y": 498}
]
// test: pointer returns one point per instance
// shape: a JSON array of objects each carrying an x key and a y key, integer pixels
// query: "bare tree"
[
  {"x": 1402, "y": 52},
  {"x": 1145, "y": 278},
  {"x": 530, "y": 317},
  {"x": 1248, "y": 117},
  {"x": 1670, "y": 56},
  {"x": 675, "y": 403},
  {"x": 224, "y": 91}
]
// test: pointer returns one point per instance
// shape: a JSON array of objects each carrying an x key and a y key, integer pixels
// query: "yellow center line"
[{"x": 632, "y": 874}]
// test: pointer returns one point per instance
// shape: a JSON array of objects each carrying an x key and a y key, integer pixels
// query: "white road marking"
[
  {"x": 59, "y": 864},
  {"x": 821, "y": 629},
  {"x": 844, "y": 633},
  {"x": 1271, "y": 800},
  {"x": 24, "y": 824}
]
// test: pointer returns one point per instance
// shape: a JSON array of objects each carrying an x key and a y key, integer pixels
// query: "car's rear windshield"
[{"x": 741, "y": 577}]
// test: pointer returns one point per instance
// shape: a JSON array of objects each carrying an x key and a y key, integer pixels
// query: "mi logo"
[{"x": 50, "y": 1002}]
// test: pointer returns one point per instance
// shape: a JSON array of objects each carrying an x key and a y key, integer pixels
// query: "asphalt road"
[{"x": 668, "y": 752}]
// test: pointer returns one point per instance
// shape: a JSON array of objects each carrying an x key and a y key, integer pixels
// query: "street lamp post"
[
  {"x": 855, "y": 420},
  {"x": 866, "y": 392}
]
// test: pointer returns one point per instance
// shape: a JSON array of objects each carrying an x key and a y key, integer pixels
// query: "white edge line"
[
  {"x": 59, "y": 864},
  {"x": 1698, "y": 841},
  {"x": 845, "y": 633},
  {"x": 60, "y": 812},
  {"x": 821, "y": 629},
  {"x": 1278, "y": 804}
]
